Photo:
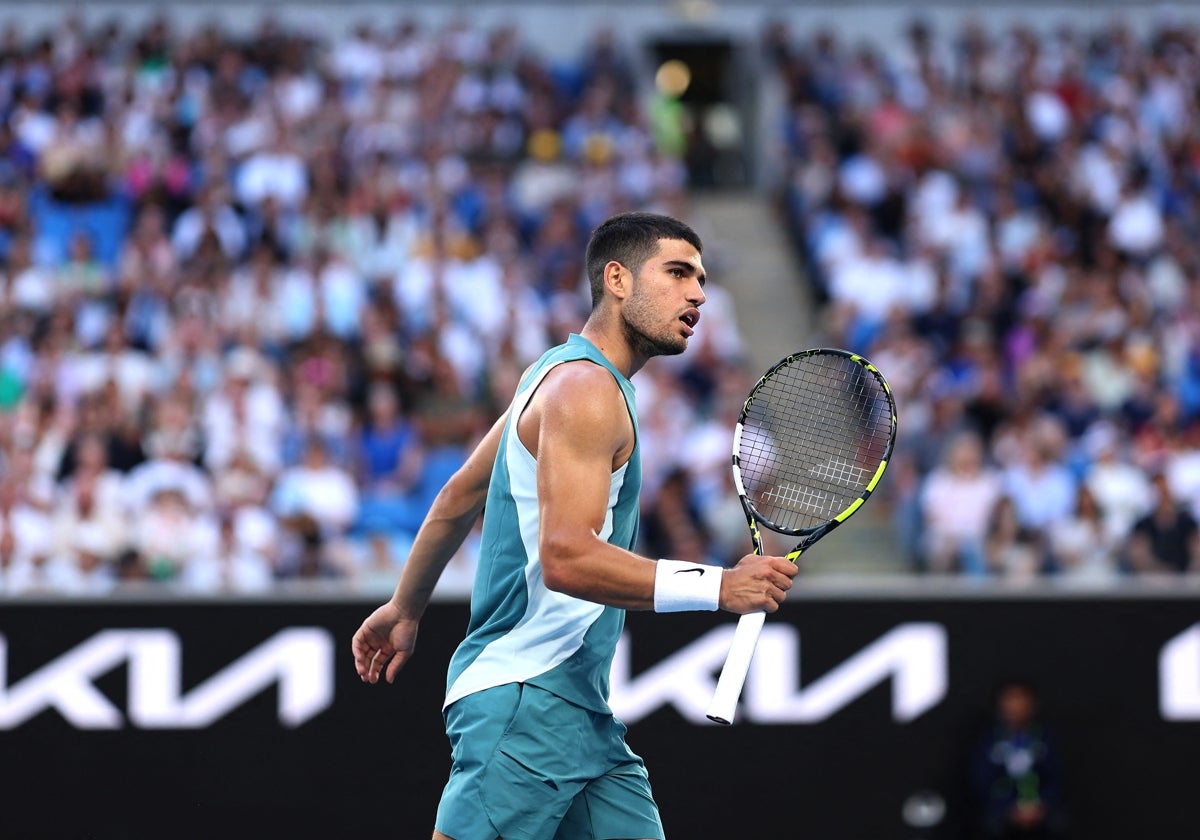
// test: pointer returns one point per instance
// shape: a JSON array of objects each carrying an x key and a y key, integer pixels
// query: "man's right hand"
[
  {"x": 384, "y": 636},
  {"x": 756, "y": 584}
]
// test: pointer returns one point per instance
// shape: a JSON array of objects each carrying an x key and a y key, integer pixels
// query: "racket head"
[{"x": 812, "y": 442}]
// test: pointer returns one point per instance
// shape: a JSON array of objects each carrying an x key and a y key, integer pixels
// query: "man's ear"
[{"x": 617, "y": 280}]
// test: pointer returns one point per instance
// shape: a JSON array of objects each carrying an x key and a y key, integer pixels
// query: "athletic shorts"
[{"x": 528, "y": 765}]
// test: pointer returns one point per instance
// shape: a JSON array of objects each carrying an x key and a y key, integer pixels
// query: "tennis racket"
[{"x": 813, "y": 439}]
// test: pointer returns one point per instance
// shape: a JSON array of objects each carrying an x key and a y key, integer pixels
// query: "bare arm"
[
  {"x": 579, "y": 426},
  {"x": 390, "y": 633},
  {"x": 580, "y": 429},
  {"x": 449, "y": 521}
]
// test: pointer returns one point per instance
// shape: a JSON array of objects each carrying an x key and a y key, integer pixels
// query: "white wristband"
[{"x": 680, "y": 586}]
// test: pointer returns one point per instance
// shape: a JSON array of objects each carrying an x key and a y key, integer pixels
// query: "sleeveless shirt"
[{"x": 519, "y": 630}]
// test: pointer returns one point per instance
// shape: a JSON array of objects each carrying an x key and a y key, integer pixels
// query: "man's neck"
[{"x": 614, "y": 347}]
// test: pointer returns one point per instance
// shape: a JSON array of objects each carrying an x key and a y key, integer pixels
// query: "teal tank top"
[{"x": 520, "y": 631}]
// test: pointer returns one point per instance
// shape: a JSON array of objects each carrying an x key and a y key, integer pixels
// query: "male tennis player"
[{"x": 537, "y": 753}]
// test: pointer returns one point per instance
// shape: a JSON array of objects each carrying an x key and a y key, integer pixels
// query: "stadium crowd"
[
  {"x": 1007, "y": 223},
  {"x": 261, "y": 293}
]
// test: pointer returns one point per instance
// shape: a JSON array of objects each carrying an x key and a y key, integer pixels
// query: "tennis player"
[{"x": 536, "y": 752}]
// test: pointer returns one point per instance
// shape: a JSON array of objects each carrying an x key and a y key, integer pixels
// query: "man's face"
[{"x": 662, "y": 309}]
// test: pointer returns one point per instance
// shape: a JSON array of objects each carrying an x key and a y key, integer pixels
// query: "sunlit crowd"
[
  {"x": 262, "y": 292},
  {"x": 1006, "y": 221}
]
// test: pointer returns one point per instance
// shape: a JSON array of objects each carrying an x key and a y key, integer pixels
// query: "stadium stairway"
[{"x": 748, "y": 251}]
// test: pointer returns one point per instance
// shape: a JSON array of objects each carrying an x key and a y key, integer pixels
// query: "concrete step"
[{"x": 747, "y": 251}]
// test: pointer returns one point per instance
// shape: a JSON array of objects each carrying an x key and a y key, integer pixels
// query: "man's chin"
[
  {"x": 671, "y": 347},
  {"x": 670, "y": 344}
]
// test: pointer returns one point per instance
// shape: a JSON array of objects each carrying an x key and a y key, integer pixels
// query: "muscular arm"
[
  {"x": 450, "y": 518},
  {"x": 389, "y": 635},
  {"x": 579, "y": 428}
]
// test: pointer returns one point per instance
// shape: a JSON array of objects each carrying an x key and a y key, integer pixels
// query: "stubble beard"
[{"x": 648, "y": 346}]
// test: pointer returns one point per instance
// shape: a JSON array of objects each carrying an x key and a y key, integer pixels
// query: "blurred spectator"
[
  {"x": 1038, "y": 480},
  {"x": 446, "y": 426},
  {"x": 146, "y": 255},
  {"x": 1016, "y": 772},
  {"x": 30, "y": 286},
  {"x": 1166, "y": 540},
  {"x": 253, "y": 304},
  {"x": 1181, "y": 464},
  {"x": 231, "y": 567},
  {"x": 170, "y": 534},
  {"x": 275, "y": 172},
  {"x": 317, "y": 412},
  {"x": 212, "y": 222},
  {"x": 245, "y": 415},
  {"x": 1120, "y": 490},
  {"x": 1081, "y": 547},
  {"x": 71, "y": 154},
  {"x": 91, "y": 499},
  {"x": 1013, "y": 550},
  {"x": 386, "y": 441},
  {"x": 134, "y": 372},
  {"x": 390, "y": 462},
  {"x": 27, "y": 562},
  {"x": 174, "y": 447},
  {"x": 957, "y": 503},
  {"x": 317, "y": 502},
  {"x": 673, "y": 527},
  {"x": 92, "y": 556}
]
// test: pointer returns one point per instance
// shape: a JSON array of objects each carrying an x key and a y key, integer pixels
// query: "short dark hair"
[{"x": 631, "y": 239}]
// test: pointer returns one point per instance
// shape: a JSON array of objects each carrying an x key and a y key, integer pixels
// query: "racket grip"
[{"x": 737, "y": 665}]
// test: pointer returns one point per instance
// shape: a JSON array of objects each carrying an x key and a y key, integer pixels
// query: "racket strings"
[{"x": 813, "y": 437}]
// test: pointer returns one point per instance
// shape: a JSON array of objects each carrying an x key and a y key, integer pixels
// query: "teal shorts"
[{"x": 528, "y": 765}]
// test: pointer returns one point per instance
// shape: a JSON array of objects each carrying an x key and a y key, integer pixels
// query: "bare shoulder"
[
  {"x": 583, "y": 399},
  {"x": 582, "y": 374},
  {"x": 581, "y": 386}
]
